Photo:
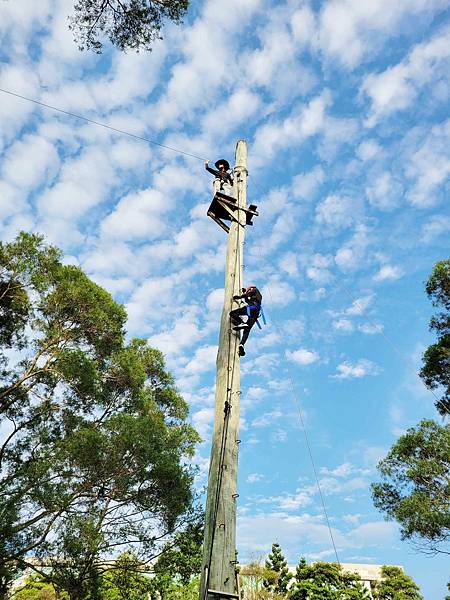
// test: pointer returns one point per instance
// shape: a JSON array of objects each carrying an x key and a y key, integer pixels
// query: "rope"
[{"x": 99, "y": 124}]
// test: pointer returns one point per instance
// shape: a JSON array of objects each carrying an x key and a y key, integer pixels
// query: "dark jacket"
[
  {"x": 224, "y": 176},
  {"x": 254, "y": 296}
]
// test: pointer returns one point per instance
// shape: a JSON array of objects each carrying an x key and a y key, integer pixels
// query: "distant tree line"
[
  {"x": 175, "y": 576},
  {"x": 320, "y": 581}
]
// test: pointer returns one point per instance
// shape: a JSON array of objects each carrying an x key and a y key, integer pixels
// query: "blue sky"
[{"x": 345, "y": 108}]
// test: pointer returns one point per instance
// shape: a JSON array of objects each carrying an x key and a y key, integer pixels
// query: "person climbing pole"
[
  {"x": 253, "y": 299},
  {"x": 223, "y": 181}
]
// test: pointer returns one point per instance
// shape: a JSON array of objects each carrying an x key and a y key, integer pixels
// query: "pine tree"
[
  {"x": 326, "y": 581},
  {"x": 278, "y": 565},
  {"x": 395, "y": 585}
]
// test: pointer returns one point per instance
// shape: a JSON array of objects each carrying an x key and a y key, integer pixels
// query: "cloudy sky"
[{"x": 345, "y": 108}]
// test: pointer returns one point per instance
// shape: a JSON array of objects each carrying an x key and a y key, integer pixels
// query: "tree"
[
  {"x": 277, "y": 564},
  {"x": 253, "y": 577},
  {"x": 415, "y": 487},
  {"x": 36, "y": 588},
  {"x": 395, "y": 585},
  {"x": 129, "y": 24},
  {"x": 179, "y": 563},
  {"x": 125, "y": 580},
  {"x": 326, "y": 581},
  {"x": 97, "y": 441},
  {"x": 436, "y": 359}
]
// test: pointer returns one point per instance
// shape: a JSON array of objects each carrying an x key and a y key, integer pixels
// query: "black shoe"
[{"x": 241, "y": 350}]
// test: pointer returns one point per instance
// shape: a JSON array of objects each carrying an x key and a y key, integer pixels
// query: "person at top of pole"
[
  {"x": 253, "y": 299},
  {"x": 223, "y": 181}
]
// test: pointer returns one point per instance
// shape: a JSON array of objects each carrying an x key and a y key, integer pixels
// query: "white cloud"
[
  {"x": 397, "y": 87},
  {"x": 267, "y": 419},
  {"x": 203, "y": 420},
  {"x": 336, "y": 212},
  {"x": 305, "y": 185},
  {"x": 184, "y": 333},
  {"x": 343, "y": 470},
  {"x": 318, "y": 268},
  {"x": 350, "y": 256},
  {"x": 304, "y": 122},
  {"x": 343, "y": 325},
  {"x": 137, "y": 217},
  {"x": 30, "y": 161},
  {"x": 277, "y": 293},
  {"x": 294, "y": 501},
  {"x": 254, "y": 477},
  {"x": 361, "y": 368},
  {"x": 154, "y": 291},
  {"x": 288, "y": 263},
  {"x": 11, "y": 200},
  {"x": 359, "y": 305},
  {"x": 214, "y": 301},
  {"x": 370, "y": 328},
  {"x": 384, "y": 191},
  {"x": 203, "y": 360},
  {"x": 388, "y": 272},
  {"x": 257, "y": 532},
  {"x": 435, "y": 227},
  {"x": 84, "y": 182},
  {"x": 377, "y": 533},
  {"x": 303, "y": 356},
  {"x": 368, "y": 150},
  {"x": 428, "y": 166},
  {"x": 350, "y": 30}
]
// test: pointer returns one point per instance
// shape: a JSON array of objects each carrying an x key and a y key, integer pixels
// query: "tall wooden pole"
[{"x": 219, "y": 553}]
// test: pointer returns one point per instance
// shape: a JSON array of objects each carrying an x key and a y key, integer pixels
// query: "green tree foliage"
[
  {"x": 129, "y": 24},
  {"x": 415, "y": 487},
  {"x": 179, "y": 563},
  {"x": 36, "y": 588},
  {"x": 125, "y": 580},
  {"x": 253, "y": 576},
  {"x": 436, "y": 360},
  {"x": 395, "y": 585},
  {"x": 326, "y": 581},
  {"x": 276, "y": 563},
  {"x": 96, "y": 435}
]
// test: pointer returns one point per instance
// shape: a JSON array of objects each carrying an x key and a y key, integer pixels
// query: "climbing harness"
[{"x": 259, "y": 308}]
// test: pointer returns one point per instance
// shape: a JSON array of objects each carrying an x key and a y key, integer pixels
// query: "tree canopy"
[
  {"x": 97, "y": 444},
  {"x": 395, "y": 585},
  {"x": 415, "y": 487},
  {"x": 436, "y": 360},
  {"x": 128, "y": 24},
  {"x": 326, "y": 581}
]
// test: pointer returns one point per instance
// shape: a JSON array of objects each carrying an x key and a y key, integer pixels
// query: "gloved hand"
[{"x": 236, "y": 297}]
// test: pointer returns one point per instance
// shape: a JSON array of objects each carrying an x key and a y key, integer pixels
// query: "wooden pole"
[{"x": 219, "y": 551}]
